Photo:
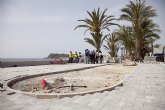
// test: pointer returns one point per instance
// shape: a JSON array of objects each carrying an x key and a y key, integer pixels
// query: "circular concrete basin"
[{"x": 67, "y": 83}]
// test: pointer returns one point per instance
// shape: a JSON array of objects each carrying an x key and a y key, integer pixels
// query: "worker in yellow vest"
[
  {"x": 76, "y": 57},
  {"x": 70, "y": 57}
]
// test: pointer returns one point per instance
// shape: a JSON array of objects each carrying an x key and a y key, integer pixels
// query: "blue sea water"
[
  {"x": 25, "y": 59},
  {"x": 22, "y": 59}
]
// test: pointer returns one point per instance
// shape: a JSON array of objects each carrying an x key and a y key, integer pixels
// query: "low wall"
[
  {"x": 23, "y": 63},
  {"x": 4, "y": 64}
]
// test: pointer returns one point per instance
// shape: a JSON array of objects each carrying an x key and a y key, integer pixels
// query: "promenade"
[{"x": 143, "y": 90}]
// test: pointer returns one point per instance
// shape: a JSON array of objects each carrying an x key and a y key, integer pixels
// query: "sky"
[{"x": 36, "y": 28}]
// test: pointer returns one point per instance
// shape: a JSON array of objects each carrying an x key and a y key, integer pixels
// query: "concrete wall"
[
  {"x": 4, "y": 64},
  {"x": 23, "y": 63}
]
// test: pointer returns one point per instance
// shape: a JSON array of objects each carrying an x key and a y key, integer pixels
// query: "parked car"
[{"x": 159, "y": 57}]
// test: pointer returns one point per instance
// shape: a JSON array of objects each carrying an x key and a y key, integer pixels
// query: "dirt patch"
[{"x": 78, "y": 81}]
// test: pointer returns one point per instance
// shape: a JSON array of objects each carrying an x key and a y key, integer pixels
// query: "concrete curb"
[{"x": 9, "y": 83}]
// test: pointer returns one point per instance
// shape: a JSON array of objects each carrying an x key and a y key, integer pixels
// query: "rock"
[
  {"x": 56, "y": 91},
  {"x": 2, "y": 89},
  {"x": 59, "y": 82},
  {"x": 71, "y": 88},
  {"x": 1, "y": 85}
]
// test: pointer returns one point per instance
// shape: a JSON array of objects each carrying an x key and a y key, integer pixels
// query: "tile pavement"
[{"x": 143, "y": 90}]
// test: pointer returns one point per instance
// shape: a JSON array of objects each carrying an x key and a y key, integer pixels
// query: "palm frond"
[
  {"x": 97, "y": 22},
  {"x": 90, "y": 41}
]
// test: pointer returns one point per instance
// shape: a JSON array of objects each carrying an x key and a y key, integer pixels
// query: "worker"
[
  {"x": 76, "y": 57},
  {"x": 70, "y": 57}
]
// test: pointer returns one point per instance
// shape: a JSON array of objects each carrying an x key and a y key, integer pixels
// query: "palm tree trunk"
[
  {"x": 98, "y": 45},
  {"x": 137, "y": 50},
  {"x": 152, "y": 46},
  {"x": 130, "y": 55}
]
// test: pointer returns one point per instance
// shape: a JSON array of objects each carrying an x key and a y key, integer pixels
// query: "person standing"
[
  {"x": 90, "y": 57},
  {"x": 70, "y": 57},
  {"x": 97, "y": 57},
  {"x": 80, "y": 57},
  {"x": 86, "y": 56},
  {"x": 93, "y": 57},
  {"x": 76, "y": 57},
  {"x": 101, "y": 57}
]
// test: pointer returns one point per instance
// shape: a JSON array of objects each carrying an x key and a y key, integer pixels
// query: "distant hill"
[{"x": 57, "y": 55}]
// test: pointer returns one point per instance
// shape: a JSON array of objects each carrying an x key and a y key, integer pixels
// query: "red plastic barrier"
[
  {"x": 57, "y": 61},
  {"x": 43, "y": 84}
]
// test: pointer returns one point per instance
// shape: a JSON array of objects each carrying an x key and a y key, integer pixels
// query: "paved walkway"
[{"x": 143, "y": 90}]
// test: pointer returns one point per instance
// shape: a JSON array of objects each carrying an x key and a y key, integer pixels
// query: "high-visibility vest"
[
  {"x": 70, "y": 55},
  {"x": 76, "y": 55}
]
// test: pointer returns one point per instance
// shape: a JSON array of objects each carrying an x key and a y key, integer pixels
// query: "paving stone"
[
  {"x": 94, "y": 102},
  {"x": 112, "y": 107},
  {"x": 143, "y": 90},
  {"x": 103, "y": 102},
  {"x": 36, "y": 107},
  {"x": 127, "y": 107}
]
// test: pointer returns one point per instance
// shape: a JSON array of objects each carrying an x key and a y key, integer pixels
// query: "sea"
[{"x": 27, "y": 59}]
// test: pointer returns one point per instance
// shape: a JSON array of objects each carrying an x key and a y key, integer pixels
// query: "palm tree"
[
  {"x": 96, "y": 40},
  {"x": 150, "y": 32},
  {"x": 126, "y": 38},
  {"x": 97, "y": 22},
  {"x": 137, "y": 13},
  {"x": 112, "y": 44}
]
